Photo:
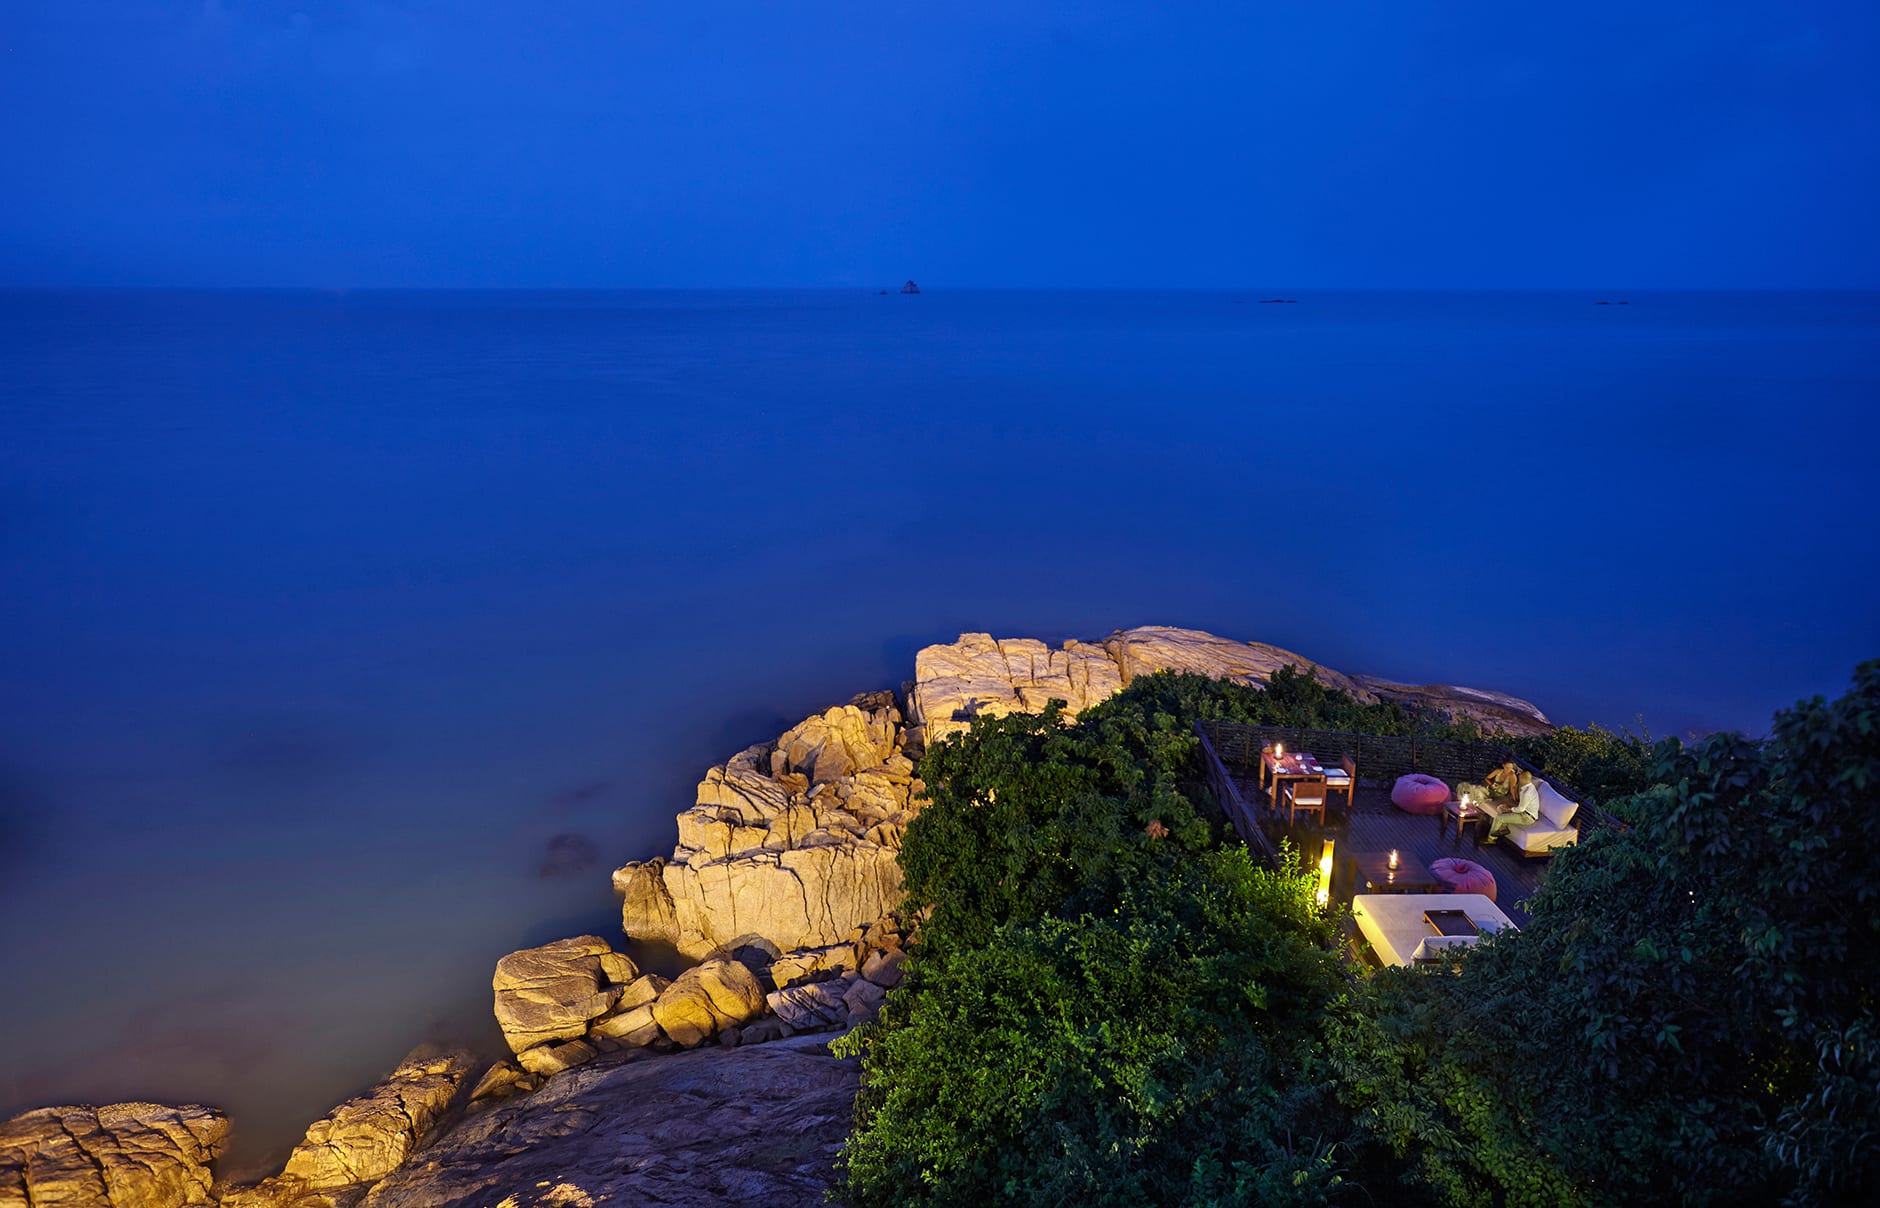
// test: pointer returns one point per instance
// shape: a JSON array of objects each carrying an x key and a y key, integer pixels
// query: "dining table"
[{"x": 1294, "y": 765}]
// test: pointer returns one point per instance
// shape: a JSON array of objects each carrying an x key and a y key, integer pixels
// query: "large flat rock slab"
[{"x": 754, "y": 1125}]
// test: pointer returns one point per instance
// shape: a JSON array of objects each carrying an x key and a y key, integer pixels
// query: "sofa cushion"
[
  {"x": 1555, "y": 808},
  {"x": 1544, "y": 836}
]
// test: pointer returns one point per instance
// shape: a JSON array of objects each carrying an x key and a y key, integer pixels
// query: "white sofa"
[
  {"x": 1555, "y": 828},
  {"x": 1393, "y": 923}
]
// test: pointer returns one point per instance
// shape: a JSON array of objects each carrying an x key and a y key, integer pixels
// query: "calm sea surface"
[{"x": 348, "y": 640}]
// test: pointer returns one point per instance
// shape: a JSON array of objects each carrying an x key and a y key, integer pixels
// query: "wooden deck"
[{"x": 1375, "y": 825}]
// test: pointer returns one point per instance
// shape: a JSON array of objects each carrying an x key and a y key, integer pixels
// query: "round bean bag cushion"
[
  {"x": 1464, "y": 876},
  {"x": 1419, "y": 794}
]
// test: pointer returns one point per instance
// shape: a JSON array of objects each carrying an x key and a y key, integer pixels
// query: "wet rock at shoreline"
[{"x": 124, "y": 1155}]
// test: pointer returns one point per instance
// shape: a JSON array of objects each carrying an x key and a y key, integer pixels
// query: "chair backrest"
[
  {"x": 1350, "y": 765},
  {"x": 1309, "y": 791}
]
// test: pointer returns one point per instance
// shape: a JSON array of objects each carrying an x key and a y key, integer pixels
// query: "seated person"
[
  {"x": 1525, "y": 811},
  {"x": 1499, "y": 785}
]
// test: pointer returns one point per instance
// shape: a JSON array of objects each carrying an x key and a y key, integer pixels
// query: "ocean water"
[{"x": 348, "y": 639}]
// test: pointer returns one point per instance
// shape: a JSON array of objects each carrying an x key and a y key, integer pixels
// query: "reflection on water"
[{"x": 350, "y": 640}]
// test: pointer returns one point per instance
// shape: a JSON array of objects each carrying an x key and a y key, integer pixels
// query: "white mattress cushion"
[{"x": 1433, "y": 946}]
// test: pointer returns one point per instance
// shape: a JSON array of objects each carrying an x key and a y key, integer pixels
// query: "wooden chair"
[
  {"x": 1266, "y": 785},
  {"x": 1343, "y": 779},
  {"x": 1305, "y": 796}
]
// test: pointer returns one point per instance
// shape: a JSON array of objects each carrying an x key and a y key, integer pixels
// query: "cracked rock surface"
[
  {"x": 750, "y": 1125},
  {"x": 796, "y": 841},
  {"x": 365, "y": 1138},
  {"x": 555, "y": 991},
  {"x": 126, "y": 1155}
]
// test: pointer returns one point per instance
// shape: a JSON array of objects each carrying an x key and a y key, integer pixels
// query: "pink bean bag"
[
  {"x": 1464, "y": 876},
  {"x": 1419, "y": 794}
]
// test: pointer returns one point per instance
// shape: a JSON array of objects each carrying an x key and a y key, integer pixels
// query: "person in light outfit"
[
  {"x": 1525, "y": 811},
  {"x": 1499, "y": 785}
]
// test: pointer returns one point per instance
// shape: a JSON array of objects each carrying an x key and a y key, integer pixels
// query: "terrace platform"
[{"x": 1372, "y": 824}]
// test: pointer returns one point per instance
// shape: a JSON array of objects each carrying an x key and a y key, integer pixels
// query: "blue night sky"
[{"x": 1678, "y": 143}]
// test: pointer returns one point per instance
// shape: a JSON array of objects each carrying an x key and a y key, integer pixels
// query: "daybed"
[{"x": 1394, "y": 924}]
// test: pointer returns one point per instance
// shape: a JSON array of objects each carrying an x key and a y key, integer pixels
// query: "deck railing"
[
  {"x": 1380, "y": 756},
  {"x": 1246, "y": 823}
]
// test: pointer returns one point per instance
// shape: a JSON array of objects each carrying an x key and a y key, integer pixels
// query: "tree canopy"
[{"x": 1111, "y": 1002}]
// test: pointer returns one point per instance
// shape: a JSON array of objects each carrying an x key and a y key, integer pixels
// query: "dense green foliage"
[
  {"x": 1688, "y": 1018},
  {"x": 1154, "y": 1054},
  {"x": 1105, "y": 1004},
  {"x": 1111, "y": 1003},
  {"x": 1605, "y": 766}
]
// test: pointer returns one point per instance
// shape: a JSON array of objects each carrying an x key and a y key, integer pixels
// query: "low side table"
[
  {"x": 1372, "y": 873},
  {"x": 1463, "y": 815}
]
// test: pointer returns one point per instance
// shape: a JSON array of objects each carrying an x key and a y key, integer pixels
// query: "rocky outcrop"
[
  {"x": 796, "y": 840},
  {"x": 1497, "y": 710},
  {"x": 556, "y": 991},
  {"x": 706, "y": 999},
  {"x": 366, "y": 1138},
  {"x": 979, "y": 676},
  {"x": 126, "y": 1155},
  {"x": 563, "y": 1004},
  {"x": 749, "y": 1125}
]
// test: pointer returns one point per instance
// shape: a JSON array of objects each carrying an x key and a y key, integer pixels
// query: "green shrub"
[
  {"x": 1689, "y": 1016},
  {"x": 1161, "y": 1053}
]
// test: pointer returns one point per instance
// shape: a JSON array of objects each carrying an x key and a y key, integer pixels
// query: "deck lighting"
[
  {"x": 1393, "y": 857},
  {"x": 1325, "y": 875}
]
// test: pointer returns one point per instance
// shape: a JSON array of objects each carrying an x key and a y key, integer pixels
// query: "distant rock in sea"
[
  {"x": 1271, "y": 301},
  {"x": 910, "y": 287}
]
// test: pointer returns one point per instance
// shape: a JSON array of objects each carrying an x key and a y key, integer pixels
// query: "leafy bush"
[
  {"x": 1164, "y": 1052},
  {"x": 1108, "y": 1006},
  {"x": 1689, "y": 1016},
  {"x": 1607, "y": 767}
]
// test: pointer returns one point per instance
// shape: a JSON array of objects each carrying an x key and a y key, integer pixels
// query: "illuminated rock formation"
[
  {"x": 364, "y": 1139},
  {"x": 980, "y": 676},
  {"x": 126, "y": 1155},
  {"x": 796, "y": 841},
  {"x": 555, "y": 991}
]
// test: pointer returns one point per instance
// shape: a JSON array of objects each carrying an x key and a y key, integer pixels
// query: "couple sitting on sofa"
[{"x": 1510, "y": 797}]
